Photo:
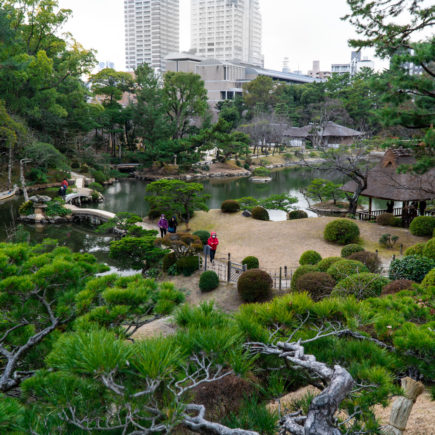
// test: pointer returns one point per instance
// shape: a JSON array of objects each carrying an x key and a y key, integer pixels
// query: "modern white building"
[
  {"x": 152, "y": 30},
  {"x": 227, "y": 30}
]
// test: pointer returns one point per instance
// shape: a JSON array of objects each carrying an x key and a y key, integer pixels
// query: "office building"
[
  {"x": 316, "y": 73},
  {"x": 340, "y": 68},
  {"x": 151, "y": 32},
  {"x": 227, "y": 30}
]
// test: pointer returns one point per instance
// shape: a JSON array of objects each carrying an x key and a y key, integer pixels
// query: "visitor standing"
[
  {"x": 172, "y": 225},
  {"x": 163, "y": 225},
  {"x": 65, "y": 184},
  {"x": 62, "y": 192},
  {"x": 213, "y": 242}
]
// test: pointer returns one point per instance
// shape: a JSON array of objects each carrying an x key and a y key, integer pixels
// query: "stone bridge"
[{"x": 93, "y": 215}]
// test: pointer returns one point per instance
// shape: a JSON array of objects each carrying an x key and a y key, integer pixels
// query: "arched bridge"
[{"x": 93, "y": 215}]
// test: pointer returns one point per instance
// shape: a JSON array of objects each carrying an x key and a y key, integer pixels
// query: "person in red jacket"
[{"x": 213, "y": 242}]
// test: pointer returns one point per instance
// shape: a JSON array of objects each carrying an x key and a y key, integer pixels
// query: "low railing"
[{"x": 368, "y": 216}]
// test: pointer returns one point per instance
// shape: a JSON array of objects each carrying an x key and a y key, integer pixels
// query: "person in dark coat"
[
  {"x": 213, "y": 243},
  {"x": 172, "y": 225},
  {"x": 163, "y": 225}
]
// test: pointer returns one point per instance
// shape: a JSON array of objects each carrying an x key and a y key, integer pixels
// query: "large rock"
[
  {"x": 39, "y": 199},
  {"x": 246, "y": 213}
]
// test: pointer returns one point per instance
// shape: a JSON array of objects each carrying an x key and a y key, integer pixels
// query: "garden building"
[{"x": 410, "y": 190}]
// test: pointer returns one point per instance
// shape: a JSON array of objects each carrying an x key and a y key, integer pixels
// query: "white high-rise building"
[
  {"x": 152, "y": 30},
  {"x": 227, "y": 30}
]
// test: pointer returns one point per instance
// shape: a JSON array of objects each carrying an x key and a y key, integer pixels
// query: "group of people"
[{"x": 170, "y": 226}]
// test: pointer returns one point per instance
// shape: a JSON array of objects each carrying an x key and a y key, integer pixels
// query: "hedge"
[
  {"x": 203, "y": 235},
  {"x": 208, "y": 281},
  {"x": 168, "y": 261},
  {"x": 344, "y": 268},
  {"x": 429, "y": 249},
  {"x": 297, "y": 214},
  {"x": 350, "y": 249},
  {"x": 397, "y": 286},
  {"x": 361, "y": 285},
  {"x": 416, "y": 249},
  {"x": 317, "y": 284},
  {"x": 230, "y": 206},
  {"x": 341, "y": 231},
  {"x": 422, "y": 226},
  {"x": 326, "y": 263},
  {"x": 429, "y": 280},
  {"x": 254, "y": 285},
  {"x": 386, "y": 219},
  {"x": 301, "y": 270},
  {"x": 260, "y": 213},
  {"x": 411, "y": 267},
  {"x": 310, "y": 257},
  {"x": 187, "y": 265},
  {"x": 370, "y": 259},
  {"x": 251, "y": 262}
]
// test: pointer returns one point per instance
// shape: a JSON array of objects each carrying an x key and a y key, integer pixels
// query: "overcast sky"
[{"x": 303, "y": 31}]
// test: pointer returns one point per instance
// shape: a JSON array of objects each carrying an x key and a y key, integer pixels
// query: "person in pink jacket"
[
  {"x": 213, "y": 242},
  {"x": 163, "y": 225}
]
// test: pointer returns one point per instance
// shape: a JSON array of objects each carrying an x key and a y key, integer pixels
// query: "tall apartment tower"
[
  {"x": 152, "y": 30},
  {"x": 227, "y": 30}
]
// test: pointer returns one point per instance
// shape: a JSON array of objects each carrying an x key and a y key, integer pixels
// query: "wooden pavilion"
[{"x": 385, "y": 182}]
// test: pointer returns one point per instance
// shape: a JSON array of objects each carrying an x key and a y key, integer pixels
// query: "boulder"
[
  {"x": 246, "y": 213},
  {"x": 40, "y": 199}
]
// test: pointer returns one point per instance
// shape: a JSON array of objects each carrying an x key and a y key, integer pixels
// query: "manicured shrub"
[
  {"x": 168, "y": 261},
  {"x": 411, "y": 267},
  {"x": 422, "y": 226},
  {"x": 262, "y": 171},
  {"x": 300, "y": 271},
  {"x": 297, "y": 214},
  {"x": 251, "y": 262},
  {"x": 370, "y": 259},
  {"x": 208, "y": 281},
  {"x": 254, "y": 285},
  {"x": 416, "y": 249},
  {"x": 429, "y": 249},
  {"x": 187, "y": 265},
  {"x": 397, "y": 286},
  {"x": 317, "y": 284},
  {"x": 385, "y": 219},
  {"x": 344, "y": 268},
  {"x": 326, "y": 263},
  {"x": 260, "y": 213},
  {"x": 351, "y": 249},
  {"x": 361, "y": 285},
  {"x": 203, "y": 235},
  {"x": 99, "y": 176},
  {"x": 396, "y": 222},
  {"x": 310, "y": 257},
  {"x": 230, "y": 206},
  {"x": 429, "y": 280},
  {"x": 341, "y": 231},
  {"x": 96, "y": 186}
]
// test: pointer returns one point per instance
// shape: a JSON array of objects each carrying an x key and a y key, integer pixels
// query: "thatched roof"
[
  {"x": 384, "y": 182},
  {"x": 331, "y": 129}
]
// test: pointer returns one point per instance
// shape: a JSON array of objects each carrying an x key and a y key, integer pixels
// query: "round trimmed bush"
[
  {"x": 341, "y": 231},
  {"x": 361, "y": 285},
  {"x": 203, "y": 235},
  {"x": 422, "y": 226},
  {"x": 429, "y": 249},
  {"x": 260, "y": 213},
  {"x": 397, "y": 286},
  {"x": 317, "y": 284},
  {"x": 429, "y": 280},
  {"x": 168, "y": 261},
  {"x": 254, "y": 285},
  {"x": 230, "y": 206},
  {"x": 326, "y": 263},
  {"x": 351, "y": 249},
  {"x": 187, "y": 265},
  {"x": 411, "y": 267},
  {"x": 300, "y": 271},
  {"x": 344, "y": 268},
  {"x": 310, "y": 257},
  {"x": 370, "y": 259},
  {"x": 251, "y": 262},
  {"x": 386, "y": 219},
  {"x": 208, "y": 281},
  {"x": 416, "y": 249},
  {"x": 297, "y": 214}
]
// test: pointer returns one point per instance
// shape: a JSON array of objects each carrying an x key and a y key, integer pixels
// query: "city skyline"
[{"x": 292, "y": 30}]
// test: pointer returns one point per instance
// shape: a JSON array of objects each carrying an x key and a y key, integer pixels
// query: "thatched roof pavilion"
[{"x": 384, "y": 182}]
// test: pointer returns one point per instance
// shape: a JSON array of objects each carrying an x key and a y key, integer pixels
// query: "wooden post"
[
  {"x": 285, "y": 272},
  {"x": 370, "y": 208},
  {"x": 280, "y": 277},
  {"x": 229, "y": 268}
]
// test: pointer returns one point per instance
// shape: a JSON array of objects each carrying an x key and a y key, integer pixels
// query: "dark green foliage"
[
  {"x": 26, "y": 208},
  {"x": 260, "y": 213},
  {"x": 96, "y": 186},
  {"x": 388, "y": 241},
  {"x": 397, "y": 286},
  {"x": 168, "y": 261},
  {"x": 188, "y": 265},
  {"x": 254, "y": 285},
  {"x": 262, "y": 172},
  {"x": 422, "y": 226},
  {"x": 56, "y": 208},
  {"x": 297, "y": 214},
  {"x": 317, "y": 284},
  {"x": 429, "y": 280},
  {"x": 230, "y": 206},
  {"x": 279, "y": 201},
  {"x": 310, "y": 257},
  {"x": 100, "y": 176},
  {"x": 341, "y": 231},
  {"x": 344, "y": 268},
  {"x": 37, "y": 176},
  {"x": 386, "y": 219},
  {"x": 123, "y": 221},
  {"x": 251, "y": 262},
  {"x": 154, "y": 213},
  {"x": 301, "y": 270},
  {"x": 208, "y": 281},
  {"x": 361, "y": 285},
  {"x": 416, "y": 249},
  {"x": 411, "y": 267},
  {"x": 429, "y": 249},
  {"x": 370, "y": 259},
  {"x": 326, "y": 263},
  {"x": 203, "y": 235},
  {"x": 247, "y": 202},
  {"x": 350, "y": 249}
]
